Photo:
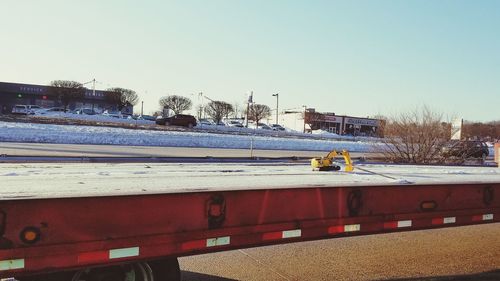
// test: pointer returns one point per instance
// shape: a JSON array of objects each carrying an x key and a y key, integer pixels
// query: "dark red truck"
[{"x": 131, "y": 221}]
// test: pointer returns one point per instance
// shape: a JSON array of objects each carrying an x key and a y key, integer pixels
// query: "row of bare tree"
[
  {"x": 216, "y": 110},
  {"x": 71, "y": 91},
  {"x": 419, "y": 137},
  {"x": 489, "y": 131}
]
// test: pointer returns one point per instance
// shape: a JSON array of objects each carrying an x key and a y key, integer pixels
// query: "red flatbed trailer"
[{"x": 107, "y": 221}]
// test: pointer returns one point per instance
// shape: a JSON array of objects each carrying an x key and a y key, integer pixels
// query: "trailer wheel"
[
  {"x": 124, "y": 272},
  {"x": 166, "y": 269}
]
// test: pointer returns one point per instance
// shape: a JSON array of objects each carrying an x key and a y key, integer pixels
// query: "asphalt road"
[
  {"x": 84, "y": 150},
  {"x": 451, "y": 254}
]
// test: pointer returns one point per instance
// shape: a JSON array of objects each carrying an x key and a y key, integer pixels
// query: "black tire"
[{"x": 166, "y": 269}]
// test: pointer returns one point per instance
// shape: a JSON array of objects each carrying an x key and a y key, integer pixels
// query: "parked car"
[
  {"x": 263, "y": 126},
  {"x": 114, "y": 114},
  {"x": 466, "y": 149},
  {"x": 51, "y": 110},
  {"x": 25, "y": 109},
  {"x": 277, "y": 127},
  {"x": 234, "y": 123},
  {"x": 206, "y": 122},
  {"x": 85, "y": 111},
  {"x": 147, "y": 117},
  {"x": 177, "y": 120}
]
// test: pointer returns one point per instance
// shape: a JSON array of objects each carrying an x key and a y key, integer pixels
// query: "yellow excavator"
[{"x": 327, "y": 163}]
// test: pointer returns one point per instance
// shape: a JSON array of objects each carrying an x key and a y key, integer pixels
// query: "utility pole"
[
  {"x": 249, "y": 101},
  {"x": 277, "y": 101},
  {"x": 142, "y": 108}
]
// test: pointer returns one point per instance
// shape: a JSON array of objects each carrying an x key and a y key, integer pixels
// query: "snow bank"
[{"x": 67, "y": 134}]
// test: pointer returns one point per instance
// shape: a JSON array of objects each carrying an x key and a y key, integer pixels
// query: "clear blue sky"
[{"x": 359, "y": 58}]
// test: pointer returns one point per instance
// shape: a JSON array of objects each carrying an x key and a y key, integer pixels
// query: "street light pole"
[
  {"x": 142, "y": 108},
  {"x": 277, "y": 102}
]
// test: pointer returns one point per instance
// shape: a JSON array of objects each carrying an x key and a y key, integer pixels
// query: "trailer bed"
[{"x": 63, "y": 180}]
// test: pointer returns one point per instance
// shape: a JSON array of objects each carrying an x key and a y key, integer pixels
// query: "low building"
[
  {"x": 309, "y": 119},
  {"x": 12, "y": 94}
]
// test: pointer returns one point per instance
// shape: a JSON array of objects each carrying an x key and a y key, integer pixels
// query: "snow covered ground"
[
  {"x": 48, "y": 133},
  {"x": 70, "y": 134}
]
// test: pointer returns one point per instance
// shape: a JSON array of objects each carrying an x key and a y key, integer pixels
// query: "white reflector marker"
[
  {"x": 12, "y": 264},
  {"x": 406, "y": 223},
  {"x": 206, "y": 243},
  {"x": 282, "y": 234},
  {"x": 123, "y": 253},
  {"x": 292, "y": 233},
  {"x": 397, "y": 224},
  {"x": 488, "y": 217},
  {"x": 485, "y": 217},
  {"x": 449, "y": 220},
  {"x": 220, "y": 241},
  {"x": 344, "y": 228},
  {"x": 352, "y": 227}
]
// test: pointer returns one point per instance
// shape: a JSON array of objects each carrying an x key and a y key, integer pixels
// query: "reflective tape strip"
[
  {"x": 344, "y": 228},
  {"x": 205, "y": 243},
  {"x": 397, "y": 224},
  {"x": 352, "y": 227},
  {"x": 220, "y": 241},
  {"x": 124, "y": 253},
  {"x": 485, "y": 217},
  {"x": 12, "y": 264},
  {"x": 406, "y": 223},
  {"x": 447, "y": 220},
  {"x": 282, "y": 234},
  {"x": 292, "y": 233},
  {"x": 92, "y": 257}
]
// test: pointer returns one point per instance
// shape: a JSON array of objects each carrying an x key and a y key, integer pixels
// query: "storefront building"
[
  {"x": 12, "y": 94},
  {"x": 309, "y": 120}
]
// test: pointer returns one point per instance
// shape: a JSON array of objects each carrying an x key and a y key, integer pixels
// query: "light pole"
[
  {"x": 277, "y": 102},
  {"x": 142, "y": 108}
]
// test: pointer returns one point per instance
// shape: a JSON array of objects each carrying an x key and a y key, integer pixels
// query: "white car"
[{"x": 25, "y": 109}]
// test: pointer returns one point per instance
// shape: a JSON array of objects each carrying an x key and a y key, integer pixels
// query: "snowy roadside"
[{"x": 67, "y": 134}]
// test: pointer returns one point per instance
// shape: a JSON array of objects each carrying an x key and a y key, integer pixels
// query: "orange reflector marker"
[
  {"x": 30, "y": 235},
  {"x": 428, "y": 205}
]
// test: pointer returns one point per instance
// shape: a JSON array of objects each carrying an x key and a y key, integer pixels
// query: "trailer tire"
[
  {"x": 139, "y": 271},
  {"x": 166, "y": 269}
]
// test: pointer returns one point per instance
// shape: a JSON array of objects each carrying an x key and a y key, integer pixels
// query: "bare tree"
[
  {"x": 177, "y": 104},
  {"x": 416, "y": 137},
  {"x": 218, "y": 109},
  {"x": 313, "y": 119},
  {"x": 67, "y": 91},
  {"x": 257, "y": 112},
  {"x": 121, "y": 97}
]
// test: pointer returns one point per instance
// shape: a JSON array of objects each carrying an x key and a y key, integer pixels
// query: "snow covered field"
[
  {"x": 71, "y": 134},
  {"x": 67, "y": 134}
]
